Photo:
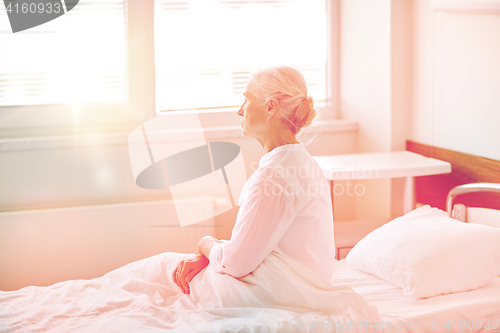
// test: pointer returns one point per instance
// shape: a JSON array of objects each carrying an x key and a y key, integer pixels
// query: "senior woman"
[
  {"x": 285, "y": 205},
  {"x": 273, "y": 275}
]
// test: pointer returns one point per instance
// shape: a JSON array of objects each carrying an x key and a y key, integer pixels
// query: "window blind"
[
  {"x": 206, "y": 49},
  {"x": 80, "y": 57}
]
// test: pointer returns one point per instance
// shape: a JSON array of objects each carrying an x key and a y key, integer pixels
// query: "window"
[
  {"x": 67, "y": 60},
  {"x": 205, "y": 49},
  {"x": 112, "y": 64},
  {"x": 90, "y": 70}
]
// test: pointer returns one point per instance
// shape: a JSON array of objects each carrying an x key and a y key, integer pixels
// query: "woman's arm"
[{"x": 263, "y": 219}]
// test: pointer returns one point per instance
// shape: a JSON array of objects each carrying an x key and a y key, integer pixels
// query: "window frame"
[{"x": 70, "y": 119}]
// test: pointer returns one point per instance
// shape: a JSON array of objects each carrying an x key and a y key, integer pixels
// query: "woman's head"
[{"x": 277, "y": 97}]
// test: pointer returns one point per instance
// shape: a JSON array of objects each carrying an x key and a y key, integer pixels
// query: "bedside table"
[{"x": 397, "y": 164}]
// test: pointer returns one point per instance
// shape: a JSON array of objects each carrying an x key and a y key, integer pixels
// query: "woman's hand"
[
  {"x": 187, "y": 269},
  {"x": 206, "y": 243}
]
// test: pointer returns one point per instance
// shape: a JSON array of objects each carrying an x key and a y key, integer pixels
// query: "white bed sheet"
[
  {"x": 141, "y": 297},
  {"x": 481, "y": 305}
]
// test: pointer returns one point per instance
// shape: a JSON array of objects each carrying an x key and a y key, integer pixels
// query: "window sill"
[{"x": 107, "y": 139}]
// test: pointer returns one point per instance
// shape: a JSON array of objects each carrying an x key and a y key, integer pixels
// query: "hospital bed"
[
  {"x": 470, "y": 310},
  {"x": 134, "y": 298}
]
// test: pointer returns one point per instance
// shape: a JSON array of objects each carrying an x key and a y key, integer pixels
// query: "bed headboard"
[{"x": 465, "y": 169}]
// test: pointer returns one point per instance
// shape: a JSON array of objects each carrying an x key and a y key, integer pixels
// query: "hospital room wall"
[
  {"x": 375, "y": 90},
  {"x": 409, "y": 72},
  {"x": 456, "y": 80}
]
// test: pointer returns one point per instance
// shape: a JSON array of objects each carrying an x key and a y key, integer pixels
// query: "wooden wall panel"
[{"x": 466, "y": 168}]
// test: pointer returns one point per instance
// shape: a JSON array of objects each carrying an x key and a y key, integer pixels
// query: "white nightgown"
[{"x": 285, "y": 207}]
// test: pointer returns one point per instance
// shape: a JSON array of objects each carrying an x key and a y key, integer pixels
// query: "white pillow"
[{"x": 426, "y": 253}]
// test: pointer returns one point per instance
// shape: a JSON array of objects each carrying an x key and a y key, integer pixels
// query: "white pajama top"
[{"x": 285, "y": 206}]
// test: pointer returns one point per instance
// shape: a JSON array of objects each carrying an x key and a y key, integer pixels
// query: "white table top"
[{"x": 380, "y": 165}]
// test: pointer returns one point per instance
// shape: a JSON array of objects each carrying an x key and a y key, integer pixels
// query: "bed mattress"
[{"x": 472, "y": 311}]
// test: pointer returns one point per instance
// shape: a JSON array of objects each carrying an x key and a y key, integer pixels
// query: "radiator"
[{"x": 45, "y": 246}]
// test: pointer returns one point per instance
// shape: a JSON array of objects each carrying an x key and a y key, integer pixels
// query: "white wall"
[
  {"x": 365, "y": 77},
  {"x": 53, "y": 245},
  {"x": 456, "y": 78},
  {"x": 365, "y": 96},
  {"x": 375, "y": 89}
]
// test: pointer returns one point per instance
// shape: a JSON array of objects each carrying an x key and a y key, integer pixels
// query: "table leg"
[
  {"x": 331, "y": 183},
  {"x": 409, "y": 195},
  {"x": 331, "y": 191}
]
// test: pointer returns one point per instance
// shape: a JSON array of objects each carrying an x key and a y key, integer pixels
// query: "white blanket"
[{"x": 280, "y": 296}]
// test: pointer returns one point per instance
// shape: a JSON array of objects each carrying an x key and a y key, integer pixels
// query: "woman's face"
[{"x": 254, "y": 117}]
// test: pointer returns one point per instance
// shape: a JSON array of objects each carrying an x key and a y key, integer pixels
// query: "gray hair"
[{"x": 287, "y": 86}]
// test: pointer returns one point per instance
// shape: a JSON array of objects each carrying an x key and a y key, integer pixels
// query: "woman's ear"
[{"x": 272, "y": 108}]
